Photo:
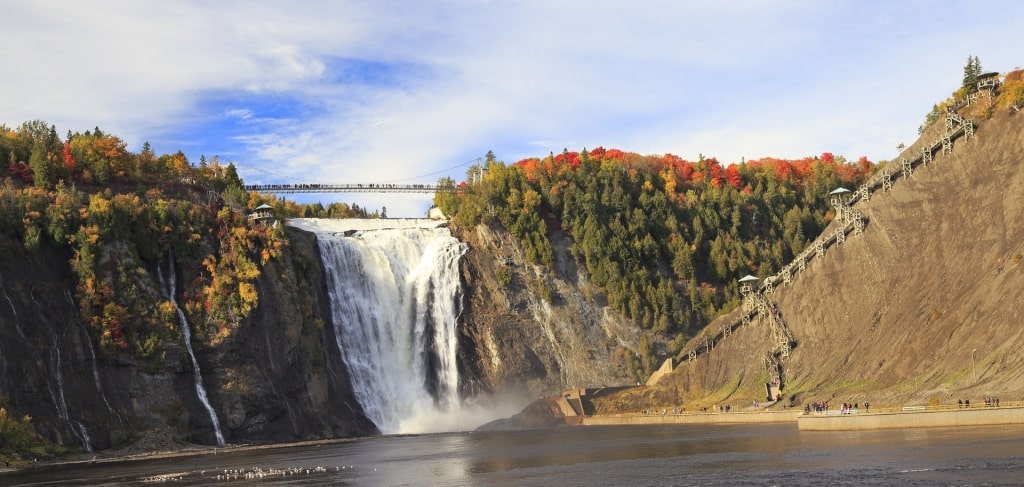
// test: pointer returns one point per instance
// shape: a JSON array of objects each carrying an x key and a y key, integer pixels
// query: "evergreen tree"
[
  {"x": 42, "y": 169},
  {"x": 231, "y": 176},
  {"x": 971, "y": 72}
]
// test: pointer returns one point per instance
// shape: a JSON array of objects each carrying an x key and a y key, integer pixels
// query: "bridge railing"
[
  {"x": 956, "y": 127},
  {"x": 347, "y": 188}
]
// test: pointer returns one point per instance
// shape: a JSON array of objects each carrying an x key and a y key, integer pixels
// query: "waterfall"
[
  {"x": 186, "y": 332},
  {"x": 96, "y": 371},
  {"x": 92, "y": 356},
  {"x": 85, "y": 436},
  {"x": 14, "y": 310},
  {"x": 56, "y": 393},
  {"x": 395, "y": 296},
  {"x": 58, "y": 397}
]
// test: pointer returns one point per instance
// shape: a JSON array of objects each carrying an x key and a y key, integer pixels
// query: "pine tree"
[
  {"x": 971, "y": 72},
  {"x": 231, "y": 176},
  {"x": 42, "y": 170}
]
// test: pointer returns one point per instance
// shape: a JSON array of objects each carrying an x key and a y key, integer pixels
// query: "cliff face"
[
  {"x": 278, "y": 376},
  {"x": 529, "y": 327},
  {"x": 273, "y": 379},
  {"x": 923, "y": 306}
]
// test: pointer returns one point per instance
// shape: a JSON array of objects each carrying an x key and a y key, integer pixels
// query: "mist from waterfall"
[{"x": 395, "y": 297}]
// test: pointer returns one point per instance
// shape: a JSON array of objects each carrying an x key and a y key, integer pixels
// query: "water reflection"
[{"x": 634, "y": 455}]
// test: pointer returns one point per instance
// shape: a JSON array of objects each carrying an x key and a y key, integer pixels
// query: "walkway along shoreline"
[
  {"x": 738, "y": 417},
  {"x": 922, "y": 418},
  {"x": 918, "y": 417}
]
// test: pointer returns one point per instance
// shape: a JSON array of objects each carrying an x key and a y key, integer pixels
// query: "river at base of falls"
[{"x": 690, "y": 455}]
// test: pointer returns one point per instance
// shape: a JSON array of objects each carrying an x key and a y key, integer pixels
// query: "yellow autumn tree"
[{"x": 1011, "y": 93}]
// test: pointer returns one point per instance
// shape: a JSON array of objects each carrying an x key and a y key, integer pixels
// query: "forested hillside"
[
  {"x": 89, "y": 190},
  {"x": 665, "y": 239},
  {"x": 108, "y": 222}
]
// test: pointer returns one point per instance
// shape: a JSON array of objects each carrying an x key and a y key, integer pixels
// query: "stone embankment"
[
  {"x": 914, "y": 417},
  {"x": 739, "y": 417},
  {"x": 884, "y": 418}
]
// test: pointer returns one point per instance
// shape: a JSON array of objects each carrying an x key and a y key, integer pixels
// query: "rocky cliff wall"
[
  {"x": 923, "y": 306},
  {"x": 528, "y": 327},
  {"x": 271, "y": 380}
]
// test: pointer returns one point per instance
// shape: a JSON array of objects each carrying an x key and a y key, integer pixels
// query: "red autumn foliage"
[
  {"x": 715, "y": 172},
  {"x": 20, "y": 170},
  {"x": 69, "y": 159},
  {"x": 709, "y": 171},
  {"x": 732, "y": 175},
  {"x": 572, "y": 158},
  {"x": 614, "y": 154}
]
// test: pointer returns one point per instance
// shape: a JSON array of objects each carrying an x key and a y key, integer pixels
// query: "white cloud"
[{"x": 363, "y": 91}]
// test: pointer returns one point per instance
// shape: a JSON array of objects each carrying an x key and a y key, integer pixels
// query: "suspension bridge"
[
  {"x": 347, "y": 188},
  {"x": 476, "y": 175}
]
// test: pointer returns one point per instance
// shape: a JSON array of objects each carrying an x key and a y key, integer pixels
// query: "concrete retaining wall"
[
  {"x": 912, "y": 419},
  {"x": 788, "y": 416}
]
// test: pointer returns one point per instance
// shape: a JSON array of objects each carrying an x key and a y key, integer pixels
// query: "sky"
[{"x": 380, "y": 91}]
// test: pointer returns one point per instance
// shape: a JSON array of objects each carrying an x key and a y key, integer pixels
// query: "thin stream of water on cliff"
[
  {"x": 59, "y": 400},
  {"x": 186, "y": 332},
  {"x": 14, "y": 310}
]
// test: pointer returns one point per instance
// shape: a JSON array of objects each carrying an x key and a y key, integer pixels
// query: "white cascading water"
[
  {"x": 395, "y": 297},
  {"x": 96, "y": 370},
  {"x": 186, "y": 332},
  {"x": 14, "y": 310},
  {"x": 58, "y": 397}
]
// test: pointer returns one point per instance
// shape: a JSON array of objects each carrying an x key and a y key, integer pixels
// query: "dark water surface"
[{"x": 685, "y": 455}]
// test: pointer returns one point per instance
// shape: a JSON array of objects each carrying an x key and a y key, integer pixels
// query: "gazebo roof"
[
  {"x": 840, "y": 191},
  {"x": 264, "y": 206},
  {"x": 748, "y": 278}
]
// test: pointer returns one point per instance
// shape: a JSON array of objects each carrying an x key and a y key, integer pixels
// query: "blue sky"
[{"x": 397, "y": 91}]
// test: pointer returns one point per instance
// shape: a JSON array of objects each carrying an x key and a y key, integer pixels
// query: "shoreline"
[
  {"x": 914, "y": 417},
  {"x": 188, "y": 450},
  {"x": 882, "y": 418},
  {"x": 733, "y": 417},
  {"x": 906, "y": 417}
]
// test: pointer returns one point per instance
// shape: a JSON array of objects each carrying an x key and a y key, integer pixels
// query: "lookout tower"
[
  {"x": 840, "y": 197},
  {"x": 845, "y": 213},
  {"x": 746, "y": 284},
  {"x": 988, "y": 81},
  {"x": 747, "y": 290},
  {"x": 262, "y": 214}
]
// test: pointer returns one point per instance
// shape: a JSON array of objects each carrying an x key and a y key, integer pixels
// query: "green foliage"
[
  {"x": 663, "y": 238},
  {"x": 121, "y": 215},
  {"x": 504, "y": 276},
  {"x": 971, "y": 71},
  {"x": 445, "y": 198},
  {"x": 544, "y": 291},
  {"x": 18, "y": 439}
]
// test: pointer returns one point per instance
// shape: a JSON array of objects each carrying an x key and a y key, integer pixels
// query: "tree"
[
  {"x": 231, "y": 176},
  {"x": 971, "y": 71},
  {"x": 1011, "y": 94},
  {"x": 42, "y": 169}
]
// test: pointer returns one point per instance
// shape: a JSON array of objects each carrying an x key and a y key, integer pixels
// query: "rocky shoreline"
[{"x": 147, "y": 449}]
